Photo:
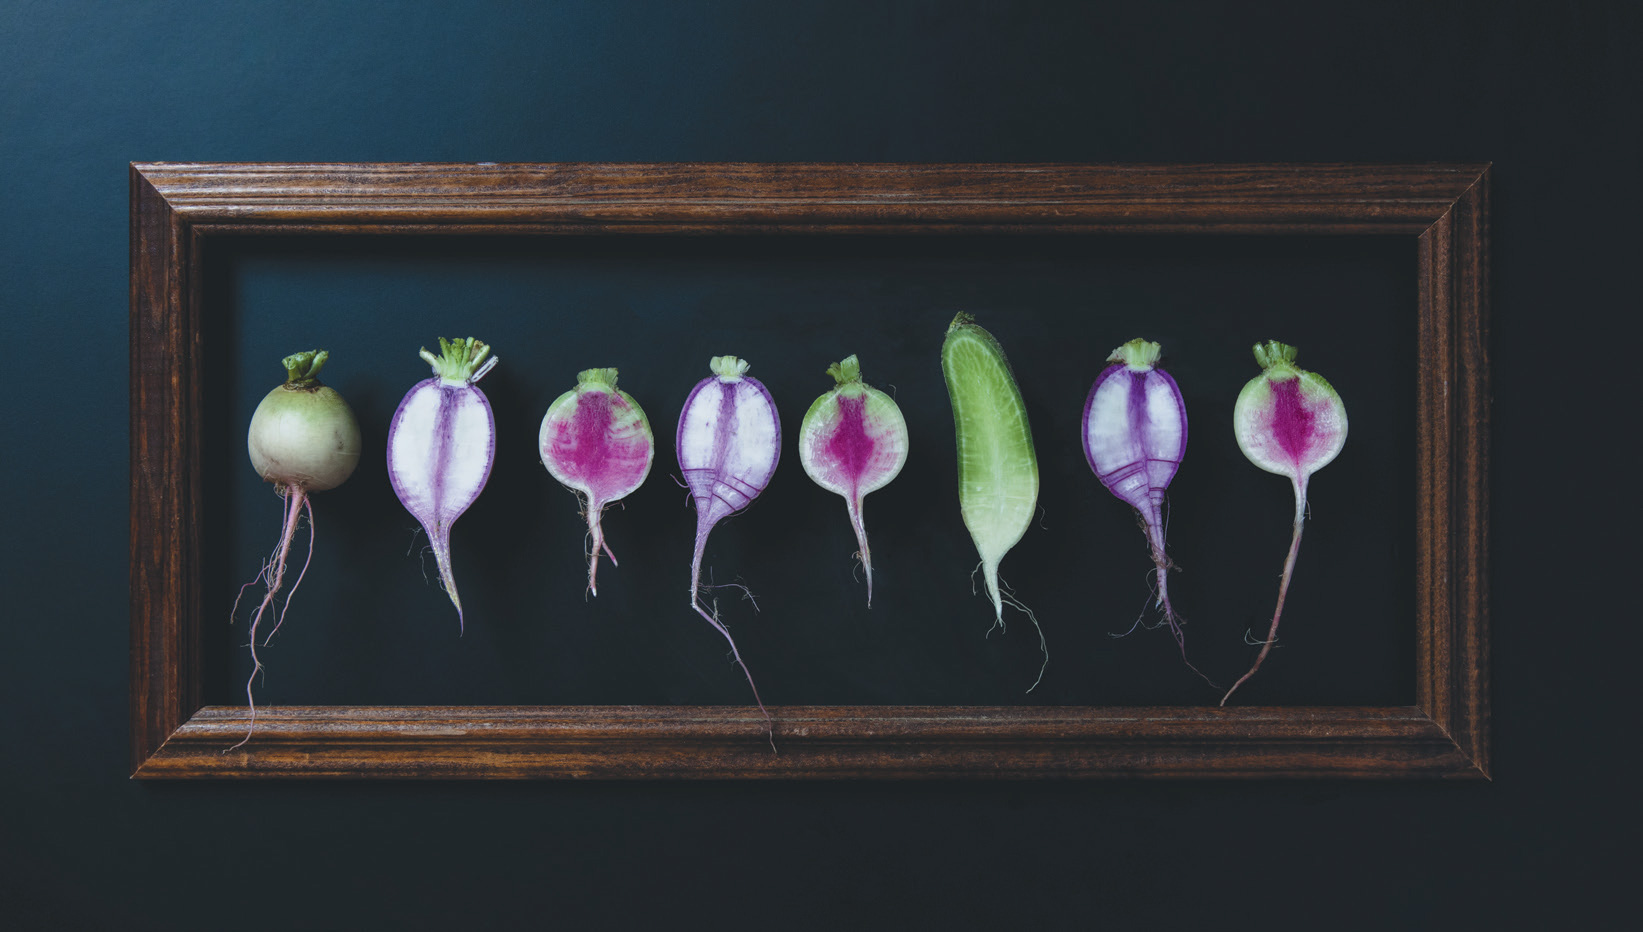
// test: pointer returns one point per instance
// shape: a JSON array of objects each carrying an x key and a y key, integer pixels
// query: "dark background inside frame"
[
  {"x": 1548, "y": 92},
  {"x": 368, "y": 628}
]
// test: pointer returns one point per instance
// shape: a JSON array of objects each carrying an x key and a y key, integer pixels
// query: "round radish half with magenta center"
[
  {"x": 441, "y": 445},
  {"x": 1135, "y": 435},
  {"x": 853, "y": 441},
  {"x": 303, "y": 438},
  {"x": 1291, "y": 422},
  {"x": 596, "y": 441},
  {"x": 728, "y": 443}
]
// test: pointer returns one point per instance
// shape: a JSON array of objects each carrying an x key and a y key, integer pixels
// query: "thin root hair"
[
  {"x": 1043, "y": 646},
  {"x": 1250, "y": 641}
]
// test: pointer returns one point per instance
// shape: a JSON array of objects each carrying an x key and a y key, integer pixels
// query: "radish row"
[{"x": 597, "y": 442}]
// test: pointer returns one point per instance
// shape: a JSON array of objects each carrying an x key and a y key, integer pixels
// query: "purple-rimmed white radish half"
[
  {"x": 596, "y": 441},
  {"x": 1135, "y": 435},
  {"x": 853, "y": 441},
  {"x": 728, "y": 443},
  {"x": 1291, "y": 422},
  {"x": 304, "y": 439},
  {"x": 441, "y": 445}
]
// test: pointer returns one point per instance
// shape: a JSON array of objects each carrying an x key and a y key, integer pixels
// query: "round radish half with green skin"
[
  {"x": 441, "y": 445},
  {"x": 303, "y": 438},
  {"x": 728, "y": 443},
  {"x": 853, "y": 441},
  {"x": 1291, "y": 422},
  {"x": 596, "y": 441},
  {"x": 1135, "y": 435},
  {"x": 997, "y": 465}
]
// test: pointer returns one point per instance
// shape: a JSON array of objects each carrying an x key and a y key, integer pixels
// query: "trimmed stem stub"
[
  {"x": 605, "y": 378},
  {"x": 1275, "y": 355},
  {"x": 1140, "y": 355},
  {"x": 302, "y": 369},
  {"x": 462, "y": 361},
  {"x": 728, "y": 367},
  {"x": 845, "y": 370}
]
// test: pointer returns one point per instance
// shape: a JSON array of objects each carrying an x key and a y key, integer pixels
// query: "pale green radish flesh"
[{"x": 997, "y": 466}]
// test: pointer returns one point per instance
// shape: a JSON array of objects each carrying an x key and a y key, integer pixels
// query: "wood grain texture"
[
  {"x": 812, "y": 742},
  {"x": 177, "y": 208}
]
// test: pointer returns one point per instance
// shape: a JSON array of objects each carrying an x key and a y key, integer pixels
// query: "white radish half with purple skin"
[
  {"x": 728, "y": 444},
  {"x": 303, "y": 438},
  {"x": 1291, "y": 422},
  {"x": 853, "y": 441},
  {"x": 1135, "y": 435},
  {"x": 596, "y": 441},
  {"x": 441, "y": 445}
]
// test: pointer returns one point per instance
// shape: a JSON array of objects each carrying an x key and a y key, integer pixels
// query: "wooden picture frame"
[{"x": 177, "y": 208}]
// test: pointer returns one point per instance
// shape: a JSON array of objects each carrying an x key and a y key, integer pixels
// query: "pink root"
[
  {"x": 1283, "y": 588},
  {"x": 274, "y": 572},
  {"x": 595, "y": 510},
  {"x": 696, "y": 604},
  {"x": 853, "y": 503},
  {"x": 1161, "y": 561},
  {"x": 440, "y": 543}
]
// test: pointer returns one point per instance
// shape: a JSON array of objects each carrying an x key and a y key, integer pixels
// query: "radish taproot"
[
  {"x": 303, "y": 439},
  {"x": 853, "y": 441},
  {"x": 1291, "y": 422},
  {"x": 1135, "y": 435},
  {"x": 441, "y": 444},
  {"x": 997, "y": 465},
  {"x": 596, "y": 441},
  {"x": 728, "y": 443}
]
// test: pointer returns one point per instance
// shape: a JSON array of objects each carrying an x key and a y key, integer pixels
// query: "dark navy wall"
[{"x": 1546, "y": 91}]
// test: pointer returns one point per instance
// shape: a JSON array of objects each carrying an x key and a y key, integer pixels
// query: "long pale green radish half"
[{"x": 997, "y": 466}]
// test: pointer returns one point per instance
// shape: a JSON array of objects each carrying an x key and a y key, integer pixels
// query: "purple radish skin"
[
  {"x": 303, "y": 438},
  {"x": 853, "y": 441},
  {"x": 728, "y": 443},
  {"x": 596, "y": 441},
  {"x": 1135, "y": 436},
  {"x": 441, "y": 445},
  {"x": 1290, "y": 422}
]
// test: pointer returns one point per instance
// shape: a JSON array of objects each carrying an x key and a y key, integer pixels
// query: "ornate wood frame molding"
[{"x": 176, "y": 208}]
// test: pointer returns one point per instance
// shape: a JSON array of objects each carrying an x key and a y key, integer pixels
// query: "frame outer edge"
[{"x": 174, "y": 207}]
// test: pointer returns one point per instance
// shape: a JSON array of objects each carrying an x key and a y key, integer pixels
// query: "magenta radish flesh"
[
  {"x": 853, "y": 441},
  {"x": 304, "y": 439},
  {"x": 596, "y": 441},
  {"x": 1135, "y": 435},
  {"x": 441, "y": 444},
  {"x": 1291, "y": 422},
  {"x": 728, "y": 443}
]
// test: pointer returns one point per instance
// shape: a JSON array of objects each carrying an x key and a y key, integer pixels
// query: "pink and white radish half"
[
  {"x": 304, "y": 439},
  {"x": 441, "y": 445},
  {"x": 997, "y": 463},
  {"x": 853, "y": 441},
  {"x": 728, "y": 443},
  {"x": 596, "y": 441},
  {"x": 1288, "y": 421},
  {"x": 1135, "y": 435}
]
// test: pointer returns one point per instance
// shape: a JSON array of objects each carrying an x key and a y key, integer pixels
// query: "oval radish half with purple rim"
[
  {"x": 1135, "y": 435},
  {"x": 728, "y": 443},
  {"x": 1291, "y": 422},
  {"x": 853, "y": 441},
  {"x": 596, "y": 441},
  {"x": 441, "y": 445}
]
